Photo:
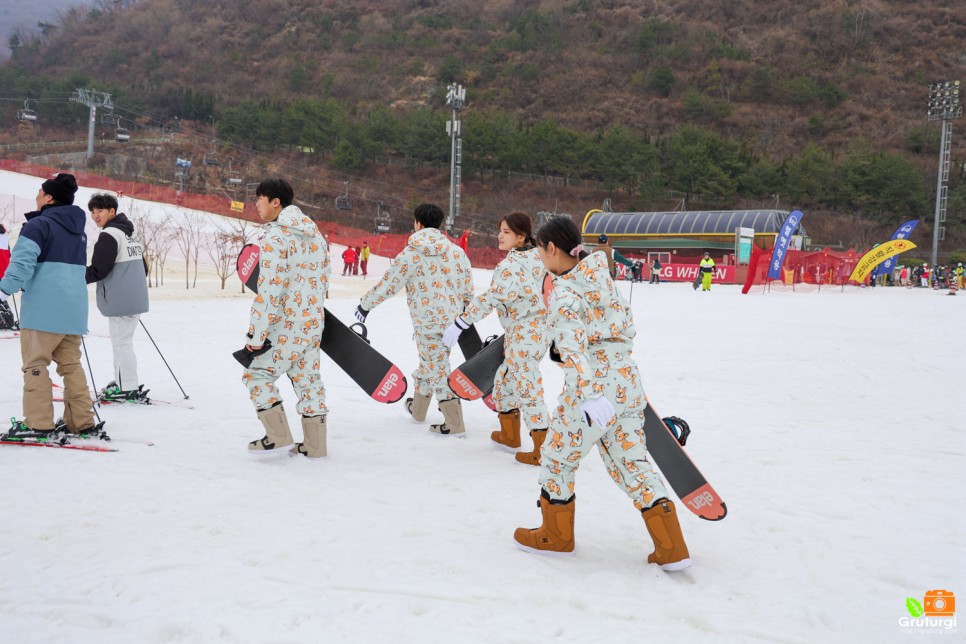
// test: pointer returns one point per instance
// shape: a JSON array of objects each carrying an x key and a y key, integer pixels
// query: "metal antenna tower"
[
  {"x": 92, "y": 99},
  {"x": 455, "y": 98},
  {"x": 944, "y": 106}
]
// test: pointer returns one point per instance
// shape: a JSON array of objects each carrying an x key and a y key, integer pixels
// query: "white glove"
[
  {"x": 3, "y": 296},
  {"x": 453, "y": 332},
  {"x": 598, "y": 410}
]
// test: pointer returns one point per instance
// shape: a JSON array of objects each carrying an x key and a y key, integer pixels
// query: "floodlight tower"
[
  {"x": 92, "y": 99},
  {"x": 455, "y": 98},
  {"x": 944, "y": 106}
]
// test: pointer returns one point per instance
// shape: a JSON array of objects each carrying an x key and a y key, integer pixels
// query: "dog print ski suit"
[
  {"x": 516, "y": 292},
  {"x": 592, "y": 335},
  {"x": 293, "y": 278},
  {"x": 438, "y": 281}
]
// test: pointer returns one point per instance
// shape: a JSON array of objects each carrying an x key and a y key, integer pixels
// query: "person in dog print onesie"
[
  {"x": 516, "y": 292},
  {"x": 436, "y": 275},
  {"x": 602, "y": 404},
  {"x": 293, "y": 278}
]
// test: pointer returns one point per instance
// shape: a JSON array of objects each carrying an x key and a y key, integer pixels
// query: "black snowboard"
[
  {"x": 681, "y": 473},
  {"x": 474, "y": 378},
  {"x": 377, "y": 376}
]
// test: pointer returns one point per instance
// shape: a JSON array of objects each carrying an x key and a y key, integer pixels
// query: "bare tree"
[
  {"x": 223, "y": 247},
  {"x": 187, "y": 236},
  {"x": 162, "y": 246}
]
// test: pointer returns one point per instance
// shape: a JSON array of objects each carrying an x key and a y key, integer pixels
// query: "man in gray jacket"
[{"x": 119, "y": 269}]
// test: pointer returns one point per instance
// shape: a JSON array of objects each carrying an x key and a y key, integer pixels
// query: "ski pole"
[
  {"x": 162, "y": 358},
  {"x": 91, "y": 372},
  {"x": 13, "y": 298}
]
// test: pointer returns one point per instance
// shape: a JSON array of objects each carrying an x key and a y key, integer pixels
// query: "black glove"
[
  {"x": 361, "y": 314},
  {"x": 245, "y": 356}
]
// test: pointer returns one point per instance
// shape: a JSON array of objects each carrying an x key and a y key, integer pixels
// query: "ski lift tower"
[
  {"x": 455, "y": 98},
  {"x": 944, "y": 106},
  {"x": 92, "y": 99}
]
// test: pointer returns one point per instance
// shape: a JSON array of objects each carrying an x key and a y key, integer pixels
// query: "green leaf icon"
[{"x": 914, "y": 607}]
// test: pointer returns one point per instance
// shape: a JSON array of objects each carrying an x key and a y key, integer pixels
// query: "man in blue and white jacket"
[{"x": 48, "y": 264}]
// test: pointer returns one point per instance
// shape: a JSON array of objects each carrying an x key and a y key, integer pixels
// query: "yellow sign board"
[
  {"x": 238, "y": 206},
  {"x": 878, "y": 255}
]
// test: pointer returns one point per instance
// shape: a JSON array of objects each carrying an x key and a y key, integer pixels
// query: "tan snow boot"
[
  {"x": 313, "y": 429},
  {"x": 556, "y": 535},
  {"x": 417, "y": 407},
  {"x": 533, "y": 458},
  {"x": 509, "y": 435},
  {"x": 452, "y": 419},
  {"x": 277, "y": 437},
  {"x": 670, "y": 551}
]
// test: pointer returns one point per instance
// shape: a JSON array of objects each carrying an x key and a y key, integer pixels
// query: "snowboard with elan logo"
[{"x": 350, "y": 350}]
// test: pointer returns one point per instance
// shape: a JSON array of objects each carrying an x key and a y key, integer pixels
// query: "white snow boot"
[
  {"x": 277, "y": 437},
  {"x": 452, "y": 419},
  {"x": 313, "y": 429}
]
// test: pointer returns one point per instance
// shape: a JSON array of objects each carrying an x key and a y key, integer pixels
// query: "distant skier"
[
  {"x": 516, "y": 293},
  {"x": 119, "y": 270},
  {"x": 602, "y": 403},
  {"x": 49, "y": 259},
  {"x": 436, "y": 275},
  {"x": 293, "y": 279},
  {"x": 7, "y": 321},
  {"x": 348, "y": 260},
  {"x": 364, "y": 254},
  {"x": 656, "y": 271},
  {"x": 706, "y": 269}
]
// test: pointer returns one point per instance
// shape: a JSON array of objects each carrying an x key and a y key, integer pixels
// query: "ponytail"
[{"x": 564, "y": 234}]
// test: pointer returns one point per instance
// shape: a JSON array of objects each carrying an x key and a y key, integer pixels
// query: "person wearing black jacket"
[{"x": 119, "y": 269}]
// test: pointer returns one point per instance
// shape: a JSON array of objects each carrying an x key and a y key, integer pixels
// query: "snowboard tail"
[
  {"x": 474, "y": 378},
  {"x": 679, "y": 470}
]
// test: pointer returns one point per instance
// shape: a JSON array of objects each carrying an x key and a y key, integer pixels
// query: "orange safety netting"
[{"x": 381, "y": 244}]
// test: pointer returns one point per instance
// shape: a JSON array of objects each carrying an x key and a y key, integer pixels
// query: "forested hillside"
[{"x": 650, "y": 102}]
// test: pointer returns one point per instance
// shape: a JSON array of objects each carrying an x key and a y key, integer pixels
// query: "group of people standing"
[
  {"x": 579, "y": 317},
  {"x": 355, "y": 258},
  {"x": 49, "y": 264}
]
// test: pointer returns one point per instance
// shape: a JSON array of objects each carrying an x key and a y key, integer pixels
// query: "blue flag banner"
[
  {"x": 902, "y": 232},
  {"x": 781, "y": 244}
]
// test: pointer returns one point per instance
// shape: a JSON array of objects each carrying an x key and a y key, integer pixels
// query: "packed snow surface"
[{"x": 831, "y": 423}]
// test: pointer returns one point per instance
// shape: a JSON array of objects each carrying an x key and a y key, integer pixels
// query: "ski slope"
[{"x": 831, "y": 423}]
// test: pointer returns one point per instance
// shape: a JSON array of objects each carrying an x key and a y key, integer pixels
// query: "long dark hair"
[
  {"x": 519, "y": 223},
  {"x": 564, "y": 234}
]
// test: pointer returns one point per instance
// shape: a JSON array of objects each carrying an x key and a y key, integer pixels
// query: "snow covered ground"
[{"x": 831, "y": 423}]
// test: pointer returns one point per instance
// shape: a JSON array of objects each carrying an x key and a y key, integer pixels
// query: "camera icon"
[{"x": 939, "y": 603}]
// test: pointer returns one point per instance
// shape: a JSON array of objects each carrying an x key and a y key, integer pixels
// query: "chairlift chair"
[
  {"x": 235, "y": 179},
  {"x": 26, "y": 115},
  {"x": 121, "y": 134},
  {"x": 382, "y": 220},
  {"x": 211, "y": 159},
  {"x": 342, "y": 201}
]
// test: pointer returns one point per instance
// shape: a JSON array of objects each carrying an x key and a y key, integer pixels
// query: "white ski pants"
[{"x": 122, "y": 330}]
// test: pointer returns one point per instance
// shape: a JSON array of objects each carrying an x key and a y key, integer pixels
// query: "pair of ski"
[{"x": 474, "y": 379}]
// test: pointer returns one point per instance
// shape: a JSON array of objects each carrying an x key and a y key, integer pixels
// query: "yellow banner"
[
  {"x": 877, "y": 255},
  {"x": 238, "y": 206}
]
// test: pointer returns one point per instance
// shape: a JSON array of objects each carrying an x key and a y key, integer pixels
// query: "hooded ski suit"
[
  {"x": 516, "y": 293},
  {"x": 439, "y": 283},
  {"x": 293, "y": 278},
  {"x": 592, "y": 335}
]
